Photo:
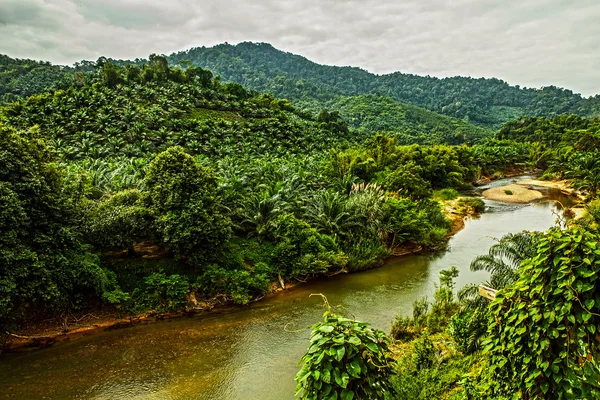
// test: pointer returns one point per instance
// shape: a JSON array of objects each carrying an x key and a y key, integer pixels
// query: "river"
[{"x": 249, "y": 352}]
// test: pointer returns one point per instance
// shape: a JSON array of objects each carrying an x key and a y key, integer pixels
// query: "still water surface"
[{"x": 248, "y": 353}]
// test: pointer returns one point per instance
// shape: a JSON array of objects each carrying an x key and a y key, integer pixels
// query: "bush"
[
  {"x": 118, "y": 220},
  {"x": 543, "y": 329},
  {"x": 466, "y": 327},
  {"x": 431, "y": 369},
  {"x": 161, "y": 293},
  {"x": 471, "y": 205},
  {"x": 508, "y": 192},
  {"x": 241, "y": 285},
  {"x": 446, "y": 194},
  {"x": 365, "y": 252},
  {"x": 347, "y": 359},
  {"x": 301, "y": 251},
  {"x": 424, "y": 353},
  {"x": 443, "y": 307}
]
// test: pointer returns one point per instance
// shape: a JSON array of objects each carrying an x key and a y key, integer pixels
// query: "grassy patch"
[
  {"x": 446, "y": 194},
  {"x": 205, "y": 113},
  {"x": 430, "y": 367}
]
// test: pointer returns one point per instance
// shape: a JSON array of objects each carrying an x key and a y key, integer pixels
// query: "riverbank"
[
  {"x": 526, "y": 191},
  {"x": 58, "y": 330}
]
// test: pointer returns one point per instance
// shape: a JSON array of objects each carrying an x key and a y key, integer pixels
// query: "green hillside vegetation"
[
  {"x": 487, "y": 102},
  {"x": 373, "y": 113},
  {"x": 23, "y": 78},
  {"x": 565, "y": 147},
  {"x": 269, "y": 193}
]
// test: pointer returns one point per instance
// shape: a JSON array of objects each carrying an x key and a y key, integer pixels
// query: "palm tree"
[
  {"x": 505, "y": 257},
  {"x": 328, "y": 213},
  {"x": 260, "y": 213},
  {"x": 586, "y": 173},
  {"x": 502, "y": 262}
]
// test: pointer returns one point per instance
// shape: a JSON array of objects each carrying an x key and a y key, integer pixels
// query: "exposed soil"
[{"x": 514, "y": 193}]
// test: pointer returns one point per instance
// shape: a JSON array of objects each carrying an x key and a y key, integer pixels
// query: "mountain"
[
  {"x": 415, "y": 109},
  {"x": 487, "y": 102},
  {"x": 368, "y": 113}
]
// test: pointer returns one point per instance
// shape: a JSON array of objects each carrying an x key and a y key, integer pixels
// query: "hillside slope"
[
  {"x": 488, "y": 102},
  {"x": 21, "y": 78}
]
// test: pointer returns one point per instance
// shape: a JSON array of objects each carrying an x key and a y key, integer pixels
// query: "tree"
[
  {"x": 118, "y": 220},
  {"x": 183, "y": 200},
  {"x": 43, "y": 261}
]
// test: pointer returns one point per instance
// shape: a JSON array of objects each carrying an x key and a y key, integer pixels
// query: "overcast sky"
[{"x": 528, "y": 42}]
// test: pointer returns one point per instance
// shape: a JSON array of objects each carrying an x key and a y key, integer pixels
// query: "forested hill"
[
  {"x": 367, "y": 114},
  {"x": 487, "y": 102}
]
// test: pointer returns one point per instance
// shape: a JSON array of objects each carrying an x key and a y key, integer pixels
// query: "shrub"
[
  {"x": 446, "y": 194},
  {"x": 347, "y": 359},
  {"x": 118, "y": 220},
  {"x": 241, "y": 284},
  {"x": 471, "y": 205},
  {"x": 508, "y": 192},
  {"x": 466, "y": 327},
  {"x": 302, "y": 251},
  {"x": 424, "y": 353},
  {"x": 161, "y": 293},
  {"x": 543, "y": 328}
]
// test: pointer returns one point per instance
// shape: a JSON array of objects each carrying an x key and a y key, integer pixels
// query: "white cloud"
[{"x": 528, "y": 42}]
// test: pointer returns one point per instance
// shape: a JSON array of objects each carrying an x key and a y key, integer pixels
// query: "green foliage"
[
  {"x": 118, "y": 220},
  {"x": 488, "y": 102},
  {"x": 241, "y": 285},
  {"x": 347, "y": 359},
  {"x": 43, "y": 262},
  {"x": 371, "y": 113},
  {"x": 301, "y": 251},
  {"x": 471, "y": 205},
  {"x": 407, "y": 181},
  {"x": 446, "y": 194},
  {"x": 161, "y": 292},
  {"x": 430, "y": 367},
  {"x": 183, "y": 200},
  {"x": 508, "y": 192},
  {"x": 424, "y": 318},
  {"x": 405, "y": 328},
  {"x": 467, "y": 327},
  {"x": 543, "y": 334}
]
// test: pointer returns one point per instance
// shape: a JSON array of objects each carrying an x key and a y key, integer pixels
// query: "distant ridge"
[{"x": 486, "y": 102}]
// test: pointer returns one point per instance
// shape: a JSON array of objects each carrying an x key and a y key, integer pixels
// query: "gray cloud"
[{"x": 533, "y": 43}]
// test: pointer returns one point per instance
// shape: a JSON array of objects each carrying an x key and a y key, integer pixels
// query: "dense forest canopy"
[
  {"x": 487, "y": 102},
  {"x": 474, "y": 105},
  {"x": 266, "y": 177}
]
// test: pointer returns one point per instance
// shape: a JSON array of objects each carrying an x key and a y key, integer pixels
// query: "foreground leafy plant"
[
  {"x": 543, "y": 337},
  {"x": 347, "y": 359}
]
